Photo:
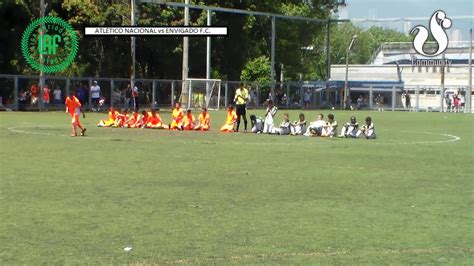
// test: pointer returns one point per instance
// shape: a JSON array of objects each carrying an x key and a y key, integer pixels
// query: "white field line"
[{"x": 451, "y": 138}]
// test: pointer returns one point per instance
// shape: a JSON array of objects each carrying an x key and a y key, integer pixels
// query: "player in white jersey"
[
  {"x": 284, "y": 128},
  {"x": 315, "y": 128},
  {"x": 268, "y": 124},
  {"x": 368, "y": 129},
  {"x": 330, "y": 128},
  {"x": 256, "y": 123},
  {"x": 350, "y": 129},
  {"x": 299, "y": 126}
]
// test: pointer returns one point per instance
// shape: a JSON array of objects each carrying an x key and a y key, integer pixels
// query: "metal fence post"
[
  {"x": 172, "y": 94},
  {"x": 441, "y": 92},
  {"x": 371, "y": 97},
  {"x": 68, "y": 85},
  {"x": 257, "y": 101},
  {"x": 226, "y": 93},
  {"x": 15, "y": 93},
  {"x": 417, "y": 94},
  {"x": 112, "y": 88},
  {"x": 394, "y": 100},
  {"x": 153, "y": 94},
  {"x": 90, "y": 94}
]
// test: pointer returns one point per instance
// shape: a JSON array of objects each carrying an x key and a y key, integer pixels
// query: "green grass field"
[{"x": 212, "y": 198}]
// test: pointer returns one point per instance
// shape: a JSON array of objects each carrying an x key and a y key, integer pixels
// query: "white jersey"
[
  {"x": 57, "y": 94},
  {"x": 95, "y": 91},
  {"x": 258, "y": 127}
]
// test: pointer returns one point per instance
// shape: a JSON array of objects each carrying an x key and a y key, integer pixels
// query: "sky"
[{"x": 382, "y": 9}]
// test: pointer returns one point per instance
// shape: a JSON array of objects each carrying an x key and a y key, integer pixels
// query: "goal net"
[{"x": 204, "y": 93}]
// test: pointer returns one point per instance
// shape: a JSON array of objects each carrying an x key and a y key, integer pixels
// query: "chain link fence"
[{"x": 23, "y": 93}]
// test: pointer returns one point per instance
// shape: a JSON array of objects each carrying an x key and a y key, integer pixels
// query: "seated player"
[
  {"x": 132, "y": 120},
  {"x": 330, "y": 128},
  {"x": 230, "y": 120},
  {"x": 315, "y": 128},
  {"x": 368, "y": 129},
  {"x": 74, "y": 107},
  {"x": 257, "y": 124},
  {"x": 121, "y": 118},
  {"x": 155, "y": 121},
  {"x": 269, "y": 114},
  {"x": 350, "y": 129},
  {"x": 177, "y": 116},
  {"x": 144, "y": 119},
  {"x": 111, "y": 120},
  {"x": 188, "y": 121},
  {"x": 284, "y": 128},
  {"x": 204, "y": 122},
  {"x": 298, "y": 127}
]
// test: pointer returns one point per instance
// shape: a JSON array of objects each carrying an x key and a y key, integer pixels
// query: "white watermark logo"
[{"x": 438, "y": 23}]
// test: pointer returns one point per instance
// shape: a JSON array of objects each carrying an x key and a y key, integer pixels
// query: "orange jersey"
[
  {"x": 204, "y": 119},
  {"x": 188, "y": 119},
  {"x": 113, "y": 115},
  {"x": 73, "y": 105},
  {"x": 177, "y": 114},
  {"x": 46, "y": 91},
  {"x": 231, "y": 117},
  {"x": 155, "y": 119}
]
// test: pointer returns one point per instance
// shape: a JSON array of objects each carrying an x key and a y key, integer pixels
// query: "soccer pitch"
[{"x": 214, "y": 198}]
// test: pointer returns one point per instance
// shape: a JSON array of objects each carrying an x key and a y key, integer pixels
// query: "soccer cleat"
[{"x": 83, "y": 132}]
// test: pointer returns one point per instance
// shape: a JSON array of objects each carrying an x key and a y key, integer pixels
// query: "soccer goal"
[{"x": 204, "y": 93}]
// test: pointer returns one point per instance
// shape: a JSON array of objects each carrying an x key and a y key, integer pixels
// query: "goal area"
[{"x": 204, "y": 93}]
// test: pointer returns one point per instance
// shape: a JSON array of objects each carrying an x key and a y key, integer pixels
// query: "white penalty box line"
[{"x": 155, "y": 31}]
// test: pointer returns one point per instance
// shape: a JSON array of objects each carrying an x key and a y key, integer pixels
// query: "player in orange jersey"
[
  {"x": 188, "y": 121},
  {"x": 74, "y": 108},
  {"x": 155, "y": 121},
  {"x": 121, "y": 118},
  {"x": 230, "y": 120},
  {"x": 113, "y": 115},
  {"x": 132, "y": 120},
  {"x": 177, "y": 116},
  {"x": 204, "y": 122}
]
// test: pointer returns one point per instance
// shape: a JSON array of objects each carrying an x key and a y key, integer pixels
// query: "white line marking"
[{"x": 452, "y": 138}]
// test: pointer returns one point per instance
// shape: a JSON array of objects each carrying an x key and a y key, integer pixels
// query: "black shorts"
[{"x": 241, "y": 109}]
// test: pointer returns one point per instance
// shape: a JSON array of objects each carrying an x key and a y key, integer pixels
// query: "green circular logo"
[{"x": 49, "y": 44}]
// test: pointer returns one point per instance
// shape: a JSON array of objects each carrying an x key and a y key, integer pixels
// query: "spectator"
[
  {"x": 95, "y": 96},
  {"x": 407, "y": 101},
  {"x": 46, "y": 96},
  {"x": 448, "y": 101},
  {"x": 35, "y": 91},
  {"x": 82, "y": 94},
  {"x": 360, "y": 101},
  {"x": 462, "y": 101},
  {"x": 57, "y": 96},
  {"x": 307, "y": 99},
  {"x": 456, "y": 103}
]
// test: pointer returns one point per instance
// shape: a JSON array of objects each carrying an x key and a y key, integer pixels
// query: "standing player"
[
  {"x": 241, "y": 99},
  {"x": 230, "y": 120},
  {"x": 74, "y": 108},
  {"x": 204, "y": 122}
]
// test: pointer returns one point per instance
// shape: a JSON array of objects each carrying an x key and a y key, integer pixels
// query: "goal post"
[{"x": 204, "y": 93}]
